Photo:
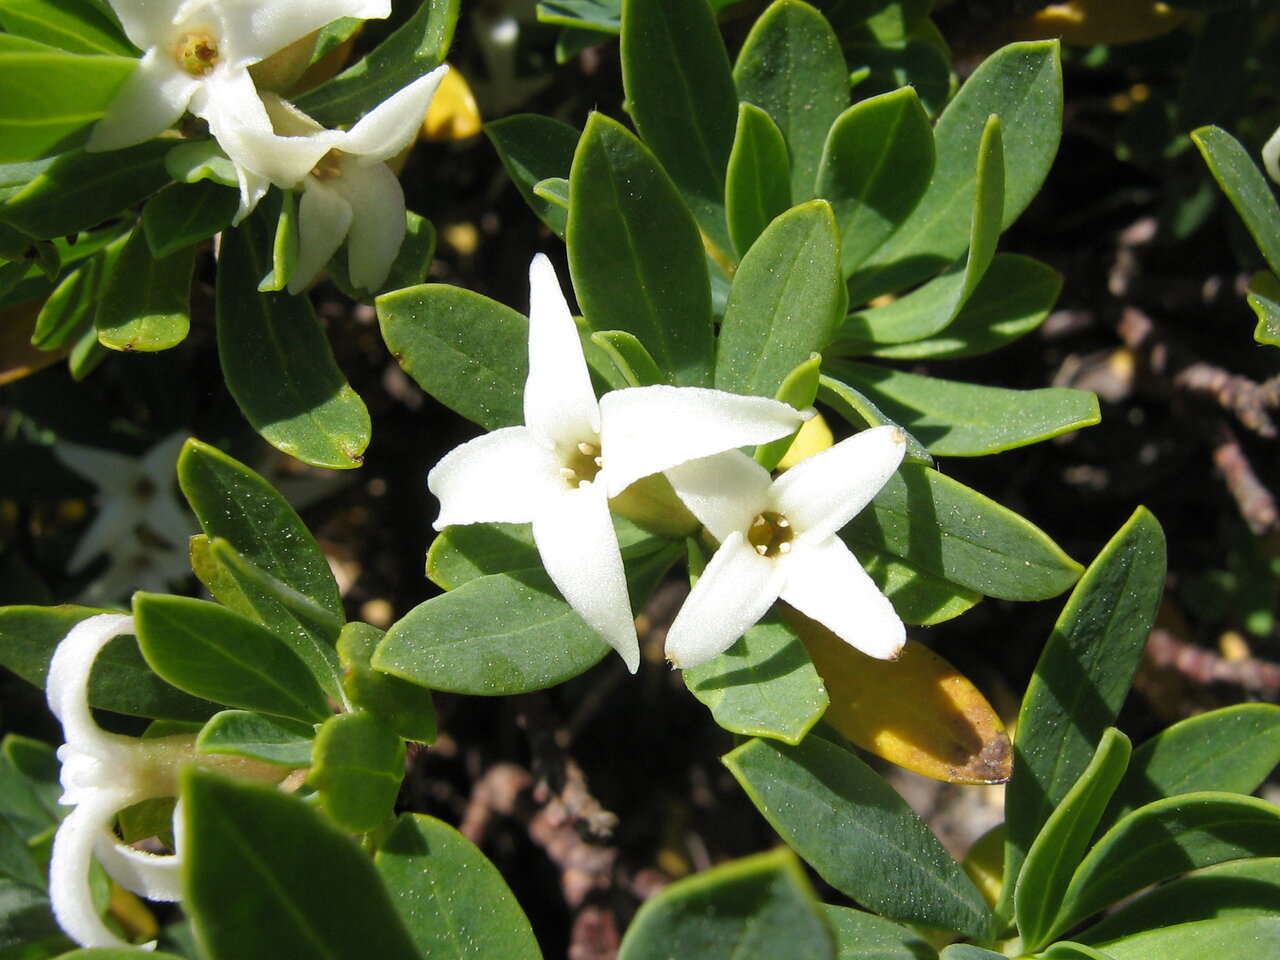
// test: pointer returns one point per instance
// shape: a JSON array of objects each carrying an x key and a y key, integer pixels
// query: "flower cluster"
[
  {"x": 211, "y": 58},
  {"x": 574, "y": 453}
]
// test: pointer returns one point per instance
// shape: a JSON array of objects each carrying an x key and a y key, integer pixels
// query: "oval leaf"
[
  {"x": 357, "y": 768},
  {"x": 757, "y": 184},
  {"x": 240, "y": 733}
]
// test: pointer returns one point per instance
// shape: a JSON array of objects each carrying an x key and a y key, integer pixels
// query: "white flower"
[
  {"x": 574, "y": 453},
  {"x": 778, "y": 540},
  {"x": 102, "y": 774},
  {"x": 196, "y": 55},
  {"x": 1271, "y": 156}
]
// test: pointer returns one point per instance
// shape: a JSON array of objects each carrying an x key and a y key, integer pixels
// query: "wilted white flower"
[
  {"x": 573, "y": 453},
  {"x": 778, "y": 540}
]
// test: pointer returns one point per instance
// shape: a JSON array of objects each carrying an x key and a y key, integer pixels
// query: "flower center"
[
  {"x": 582, "y": 466},
  {"x": 196, "y": 52},
  {"x": 770, "y": 533},
  {"x": 329, "y": 167}
]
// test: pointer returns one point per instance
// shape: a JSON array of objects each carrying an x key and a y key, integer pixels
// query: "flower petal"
[
  {"x": 253, "y": 30},
  {"x": 151, "y": 100},
  {"x": 823, "y": 493},
  {"x": 147, "y": 23},
  {"x": 393, "y": 124},
  {"x": 377, "y": 224},
  {"x": 559, "y": 405},
  {"x": 645, "y": 430},
  {"x": 324, "y": 217},
  {"x": 735, "y": 590},
  {"x": 1271, "y": 156},
  {"x": 67, "y": 683},
  {"x": 826, "y": 583},
  {"x": 725, "y": 491},
  {"x": 149, "y": 875},
  {"x": 501, "y": 477},
  {"x": 579, "y": 549}
]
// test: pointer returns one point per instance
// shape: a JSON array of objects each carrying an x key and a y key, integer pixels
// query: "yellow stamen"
[{"x": 196, "y": 52}]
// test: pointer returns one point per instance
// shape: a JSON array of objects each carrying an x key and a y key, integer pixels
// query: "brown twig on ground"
[
  {"x": 1204, "y": 666},
  {"x": 1256, "y": 503}
]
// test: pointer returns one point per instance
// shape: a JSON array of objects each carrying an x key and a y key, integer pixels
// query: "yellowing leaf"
[
  {"x": 984, "y": 863},
  {"x": 814, "y": 437},
  {"x": 917, "y": 711},
  {"x": 453, "y": 114},
  {"x": 18, "y": 357},
  {"x": 1088, "y": 22}
]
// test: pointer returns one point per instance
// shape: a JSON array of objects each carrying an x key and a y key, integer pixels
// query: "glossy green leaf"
[
  {"x": 1206, "y": 940},
  {"x": 357, "y": 766},
  {"x": 679, "y": 89},
  {"x": 951, "y": 531},
  {"x": 416, "y": 48},
  {"x": 257, "y": 736},
  {"x": 554, "y": 190},
  {"x": 469, "y": 352},
  {"x": 967, "y": 951},
  {"x": 49, "y": 98},
  {"x": 183, "y": 214},
  {"x": 858, "y": 833},
  {"x": 918, "y": 597},
  {"x": 277, "y": 361},
  {"x": 75, "y": 26},
  {"x": 758, "y": 179},
  {"x": 888, "y": 65},
  {"x": 403, "y": 706},
  {"x": 302, "y": 886},
  {"x": 212, "y": 652},
  {"x": 589, "y": 16},
  {"x": 875, "y": 167},
  {"x": 864, "y": 936},
  {"x": 80, "y": 190},
  {"x": 756, "y": 908},
  {"x": 791, "y": 67},
  {"x": 965, "y": 419},
  {"x": 1063, "y": 840},
  {"x": 69, "y": 311},
  {"x": 764, "y": 685},
  {"x": 1022, "y": 85},
  {"x": 284, "y": 245},
  {"x": 108, "y": 953},
  {"x": 860, "y": 412},
  {"x": 1264, "y": 299},
  {"x": 26, "y": 919},
  {"x": 1067, "y": 950},
  {"x": 1081, "y": 679},
  {"x": 1246, "y": 188},
  {"x": 145, "y": 302},
  {"x": 121, "y": 680},
  {"x": 786, "y": 298},
  {"x": 620, "y": 199},
  {"x": 453, "y": 901},
  {"x": 630, "y": 357},
  {"x": 533, "y": 148}
]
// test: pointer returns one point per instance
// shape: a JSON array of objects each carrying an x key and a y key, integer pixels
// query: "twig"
[
  {"x": 1204, "y": 666},
  {"x": 1256, "y": 503}
]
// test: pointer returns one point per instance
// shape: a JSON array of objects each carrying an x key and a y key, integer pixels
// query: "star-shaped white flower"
[
  {"x": 559, "y": 470},
  {"x": 102, "y": 774},
  {"x": 196, "y": 55},
  {"x": 778, "y": 540}
]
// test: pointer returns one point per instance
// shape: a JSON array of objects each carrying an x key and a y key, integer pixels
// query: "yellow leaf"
[
  {"x": 17, "y": 356},
  {"x": 814, "y": 437},
  {"x": 984, "y": 863},
  {"x": 453, "y": 114},
  {"x": 1088, "y": 22},
  {"x": 917, "y": 711}
]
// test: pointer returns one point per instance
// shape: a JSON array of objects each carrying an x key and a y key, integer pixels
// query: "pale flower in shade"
[
  {"x": 778, "y": 540},
  {"x": 1271, "y": 156},
  {"x": 573, "y": 453}
]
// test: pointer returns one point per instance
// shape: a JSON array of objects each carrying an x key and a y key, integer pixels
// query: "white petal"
[
  {"x": 645, "y": 430},
  {"x": 149, "y": 875},
  {"x": 253, "y": 30},
  {"x": 501, "y": 477},
  {"x": 393, "y": 124},
  {"x": 161, "y": 461},
  {"x": 579, "y": 549},
  {"x": 151, "y": 100},
  {"x": 725, "y": 491},
  {"x": 1271, "y": 156},
  {"x": 734, "y": 591},
  {"x": 147, "y": 23},
  {"x": 324, "y": 217},
  {"x": 559, "y": 405},
  {"x": 819, "y": 495},
  {"x": 107, "y": 470},
  {"x": 67, "y": 683},
  {"x": 113, "y": 525},
  {"x": 826, "y": 583},
  {"x": 377, "y": 223}
]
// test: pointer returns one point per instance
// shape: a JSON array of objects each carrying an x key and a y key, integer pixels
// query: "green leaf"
[
  {"x": 1206, "y": 940},
  {"x": 403, "y": 706},
  {"x": 679, "y": 90},
  {"x": 861, "y": 413},
  {"x": 183, "y": 214},
  {"x": 495, "y": 635},
  {"x": 888, "y": 65},
  {"x": 258, "y": 737},
  {"x": 620, "y": 199},
  {"x": 799, "y": 389},
  {"x": 69, "y": 311},
  {"x": 791, "y": 67},
  {"x": 409, "y": 268},
  {"x": 451, "y": 897},
  {"x": 71, "y": 25},
  {"x": 469, "y": 352},
  {"x": 416, "y": 48},
  {"x": 966, "y": 419},
  {"x": 1012, "y": 299},
  {"x": 758, "y": 179},
  {"x": 858, "y": 833},
  {"x": 876, "y": 164},
  {"x": 1081, "y": 679},
  {"x": 864, "y": 936},
  {"x": 592, "y": 16},
  {"x": 630, "y": 357},
  {"x": 967, "y": 951},
  {"x": 764, "y": 685},
  {"x": 756, "y": 908},
  {"x": 29, "y": 798},
  {"x": 145, "y": 301},
  {"x": 1245, "y": 187},
  {"x": 1062, "y": 842},
  {"x": 211, "y": 652},
  {"x": 1264, "y": 299},
  {"x": 49, "y": 98},
  {"x": 80, "y": 190},
  {"x": 1067, "y": 950},
  {"x": 918, "y": 597},
  {"x": 534, "y": 148},
  {"x": 462, "y": 553},
  {"x": 109, "y": 953},
  {"x": 121, "y": 680},
  {"x": 948, "y": 530},
  {"x": 302, "y": 886},
  {"x": 786, "y": 299},
  {"x": 277, "y": 361},
  {"x": 357, "y": 768},
  {"x": 1022, "y": 85}
]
